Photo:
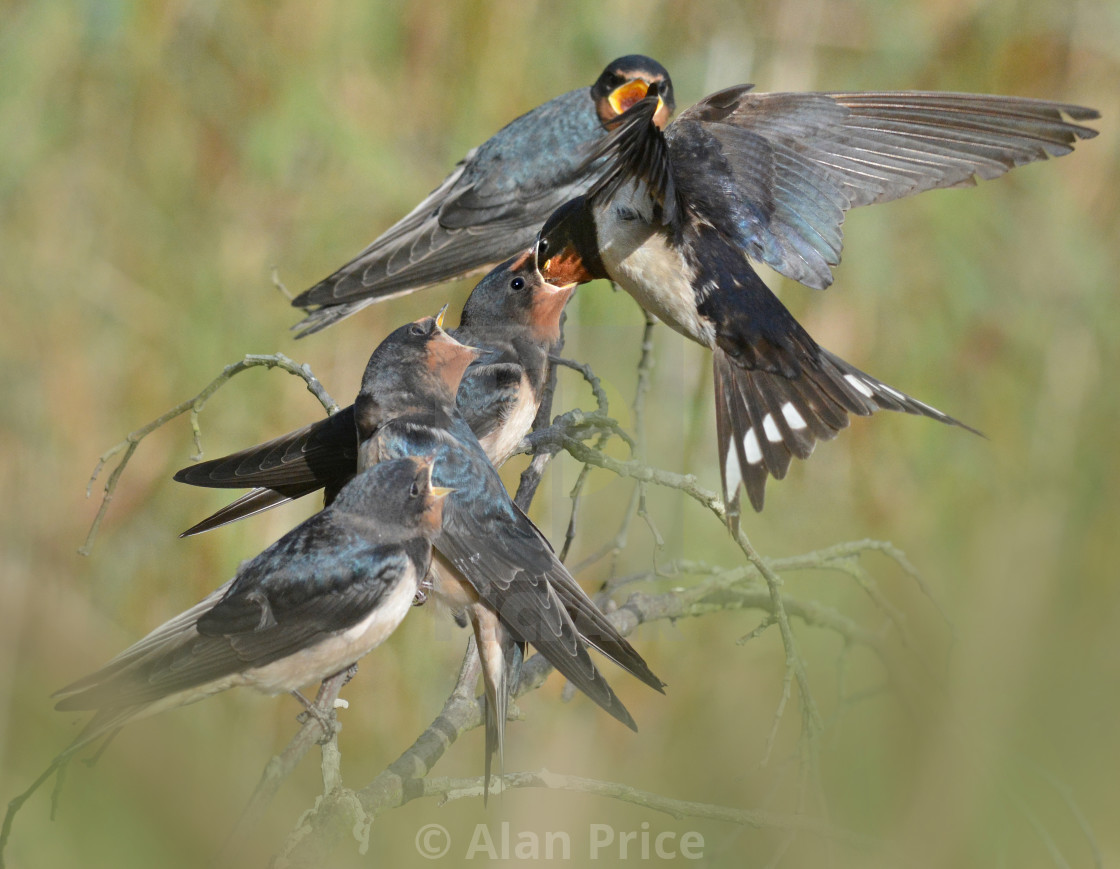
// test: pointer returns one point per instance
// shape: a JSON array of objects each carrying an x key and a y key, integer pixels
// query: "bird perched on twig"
[
  {"x": 495, "y": 200},
  {"x": 491, "y": 561},
  {"x": 326, "y": 593},
  {"x": 512, "y": 316},
  {"x": 679, "y": 213},
  {"x": 494, "y": 567}
]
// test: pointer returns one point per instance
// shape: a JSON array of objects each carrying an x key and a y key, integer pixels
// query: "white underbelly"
[
  {"x": 642, "y": 262},
  {"x": 336, "y": 651},
  {"x": 500, "y": 444}
]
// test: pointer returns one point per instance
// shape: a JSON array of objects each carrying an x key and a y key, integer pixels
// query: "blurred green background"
[{"x": 157, "y": 161}]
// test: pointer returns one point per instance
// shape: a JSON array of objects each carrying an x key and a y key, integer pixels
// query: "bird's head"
[
  {"x": 516, "y": 296},
  {"x": 400, "y": 494},
  {"x": 567, "y": 250},
  {"x": 419, "y": 365},
  {"x": 626, "y": 81}
]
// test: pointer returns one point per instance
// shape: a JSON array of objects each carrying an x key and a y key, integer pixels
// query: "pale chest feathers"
[
  {"x": 518, "y": 418},
  {"x": 641, "y": 261},
  {"x": 339, "y": 650}
]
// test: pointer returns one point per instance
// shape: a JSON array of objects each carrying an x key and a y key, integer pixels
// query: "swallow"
[
  {"x": 322, "y": 596},
  {"x": 679, "y": 214},
  {"x": 495, "y": 569},
  {"x": 492, "y": 564},
  {"x": 512, "y": 315},
  {"x": 492, "y": 204}
]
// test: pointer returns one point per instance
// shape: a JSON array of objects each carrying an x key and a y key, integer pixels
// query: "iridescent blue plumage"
[
  {"x": 309, "y": 606},
  {"x": 494, "y": 201},
  {"x": 769, "y": 177}
]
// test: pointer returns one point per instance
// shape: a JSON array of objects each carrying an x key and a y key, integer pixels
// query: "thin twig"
[
  {"x": 558, "y": 436},
  {"x": 194, "y": 406},
  {"x": 403, "y": 780},
  {"x": 283, "y": 764}
]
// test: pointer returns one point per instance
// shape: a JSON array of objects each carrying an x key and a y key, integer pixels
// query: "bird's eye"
[
  {"x": 542, "y": 245},
  {"x": 416, "y": 330},
  {"x": 517, "y": 284},
  {"x": 414, "y": 492}
]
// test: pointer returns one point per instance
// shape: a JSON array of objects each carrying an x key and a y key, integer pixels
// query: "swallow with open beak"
[
  {"x": 741, "y": 176},
  {"x": 495, "y": 569},
  {"x": 492, "y": 564},
  {"x": 322, "y": 596},
  {"x": 512, "y": 316},
  {"x": 495, "y": 200}
]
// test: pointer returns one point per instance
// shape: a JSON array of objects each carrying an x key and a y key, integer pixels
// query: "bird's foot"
[
  {"x": 326, "y": 718},
  {"x": 422, "y": 592}
]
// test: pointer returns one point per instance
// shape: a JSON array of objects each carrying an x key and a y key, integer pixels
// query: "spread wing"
[
  {"x": 485, "y": 211},
  {"x": 777, "y": 172}
]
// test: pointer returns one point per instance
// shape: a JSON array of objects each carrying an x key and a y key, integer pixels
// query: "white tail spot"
[
  {"x": 734, "y": 474},
  {"x": 860, "y": 385},
  {"x": 771, "y": 428},
  {"x": 795, "y": 420},
  {"x": 750, "y": 445}
]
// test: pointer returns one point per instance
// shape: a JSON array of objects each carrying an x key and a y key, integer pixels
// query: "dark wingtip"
[
  {"x": 249, "y": 504},
  {"x": 200, "y": 527},
  {"x": 315, "y": 321}
]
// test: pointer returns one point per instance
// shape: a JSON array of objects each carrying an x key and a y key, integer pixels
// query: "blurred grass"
[{"x": 157, "y": 162}]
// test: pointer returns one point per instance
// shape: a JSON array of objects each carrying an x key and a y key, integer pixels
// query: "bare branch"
[
  {"x": 757, "y": 585},
  {"x": 194, "y": 406},
  {"x": 403, "y": 780}
]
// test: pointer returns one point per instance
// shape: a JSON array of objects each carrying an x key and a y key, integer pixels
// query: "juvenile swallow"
[
  {"x": 496, "y": 569},
  {"x": 512, "y": 316},
  {"x": 314, "y": 602},
  {"x": 492, "y": 563},
  {"x": 678, "y": 214},
  {"x": 495, "y": 200}
]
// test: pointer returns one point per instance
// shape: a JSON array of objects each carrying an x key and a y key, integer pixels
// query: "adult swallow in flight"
[
  {"x": 512, "y": 315},
  {"x": 769, "y": 177},
  {"x": 495, "y": 200},
  {"x": 318, "y": 599}
]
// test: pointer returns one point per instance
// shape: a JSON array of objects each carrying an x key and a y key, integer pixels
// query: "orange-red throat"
[
  {"x": 566, "y": 267},
  {"x": 548, "y": 304},
  {"x": 448, "y": 358}
]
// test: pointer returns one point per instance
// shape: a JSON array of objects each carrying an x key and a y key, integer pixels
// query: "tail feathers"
[
  {"x": 495, "y": 648},
  {"x": 249, "y": 504},
  {"x": 765, "y": 419},
  {"x": 501, "y": 657},
  {"x": 562, "y": 645}
]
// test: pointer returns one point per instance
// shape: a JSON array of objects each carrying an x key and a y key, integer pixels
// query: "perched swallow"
[
  {"x": 512, "y": 315},
  {"x": 491, "y": 561},
  {"x": 495, "y": 200},
  {"x": 318, "y": 599},
  {"x": 769, "y": 177},
  {"x": 495, "y": 567}
]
